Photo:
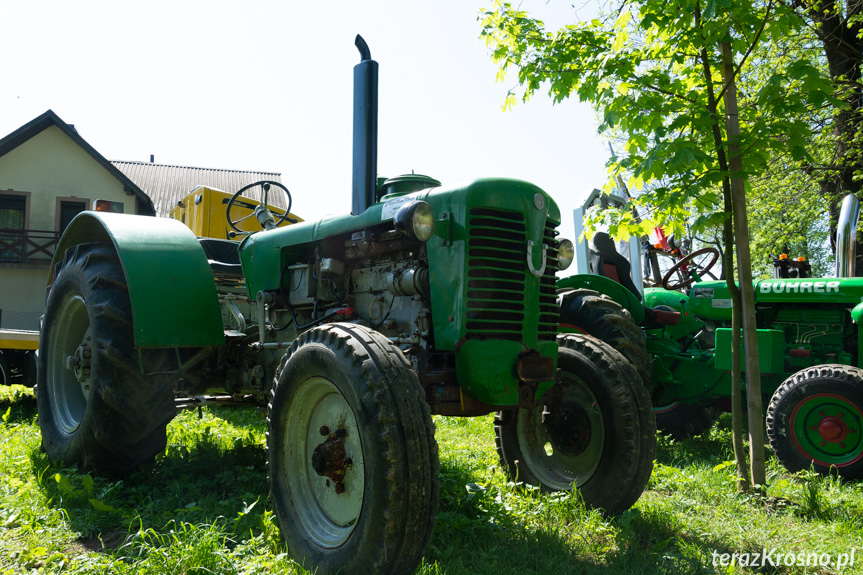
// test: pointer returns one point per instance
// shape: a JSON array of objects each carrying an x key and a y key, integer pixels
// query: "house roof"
[
  {"x": 48, "y": 119},
  {"x": 167, "y": 185}
]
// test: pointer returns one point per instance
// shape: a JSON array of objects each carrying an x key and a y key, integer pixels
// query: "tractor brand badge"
[
  {"x": 388, "y": 211},
  {"x": 798, "y": 287},
  {"x": 539, "y": 201},
  {"x": 702, "y": 292}
]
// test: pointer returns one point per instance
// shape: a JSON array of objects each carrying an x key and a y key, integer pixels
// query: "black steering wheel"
[
  {"x": 264, "y": 205},
  {"x": 691, "y": 275}
]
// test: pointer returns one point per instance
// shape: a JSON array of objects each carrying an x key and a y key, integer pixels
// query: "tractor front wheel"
[
  {"x": 595, "y": 433},
  {"x": 353, "y": 463},
  {"x": 96, "y": 409},
  {"x": 815, "y": 418}
]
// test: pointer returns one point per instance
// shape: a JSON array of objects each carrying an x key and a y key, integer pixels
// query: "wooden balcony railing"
[{"x": 27, "y": 246}]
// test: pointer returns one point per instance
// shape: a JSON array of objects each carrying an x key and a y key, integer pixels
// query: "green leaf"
[{"x": 99, "y": 506}]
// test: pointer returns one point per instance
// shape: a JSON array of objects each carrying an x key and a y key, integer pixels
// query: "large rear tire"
[
  {"x": 596, "y": 432},
  {"x": 683, "y": 420},
  {"x": 603, "y": 318},
  {"x": 5, "y": 374},
  {"x": 353, "y": 463},
  {"x": 815, "y": 418},
  {"x": 96, "y": 409}
]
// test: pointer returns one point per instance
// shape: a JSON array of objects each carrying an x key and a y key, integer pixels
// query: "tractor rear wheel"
[
  {"x": 815, "y": 418},
  {"x": 96, "y": 409},
  {"x": 352, "y": 460},
  {"x": 596, "y": 432},
  {"x": 682, "y": 420},
  {"x": 5, "y": 375}
]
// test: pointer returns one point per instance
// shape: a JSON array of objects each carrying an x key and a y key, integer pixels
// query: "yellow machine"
[{"x": 204, "y": 211}]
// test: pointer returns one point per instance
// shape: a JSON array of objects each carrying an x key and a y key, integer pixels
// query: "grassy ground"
[{"x": 202, "y": 508}]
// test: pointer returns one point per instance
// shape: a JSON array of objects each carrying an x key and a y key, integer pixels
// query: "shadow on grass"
[
  {"x": 206, "y": 483},
  {"x": 710, "y": 448},
  {"x": 478, "y": 532},
  {"x": 19, "y": 401},
  {"x": 480, "y": 528}
]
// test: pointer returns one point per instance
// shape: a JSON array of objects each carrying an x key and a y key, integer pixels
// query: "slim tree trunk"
[
  {"x": 736, "y": 380},
  {"x": 744, "y": 273},
  {"x": 727, "y": 266}
]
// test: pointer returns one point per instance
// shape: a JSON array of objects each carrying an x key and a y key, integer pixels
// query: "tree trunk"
[
  {"x": 744, "y": 273},
  {"x": 839, "y": 27},
  {"x": 727, "y": 266}
]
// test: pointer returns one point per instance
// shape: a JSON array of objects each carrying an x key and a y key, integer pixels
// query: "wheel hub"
[
  {"x": 832, "y": 429},
  {"x": 330, "y": 460},
  {"x": 568, "y": 427},
  {"x": 80, "y": 363}
]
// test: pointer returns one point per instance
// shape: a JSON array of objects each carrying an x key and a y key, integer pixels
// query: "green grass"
[{"x": 202, "y": 508}]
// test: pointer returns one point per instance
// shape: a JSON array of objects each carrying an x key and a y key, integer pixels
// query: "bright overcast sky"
[{"x": 267, "y": 86}]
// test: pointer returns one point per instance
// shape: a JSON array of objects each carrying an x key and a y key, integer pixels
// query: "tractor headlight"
[
  {"x": 415, "y": 221},
  {"x": 565, "y": 254}
]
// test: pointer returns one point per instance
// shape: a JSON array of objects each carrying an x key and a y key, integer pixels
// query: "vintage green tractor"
[
  {"x": 353, "y": 331},
  {"x": 808, "y": 345}
]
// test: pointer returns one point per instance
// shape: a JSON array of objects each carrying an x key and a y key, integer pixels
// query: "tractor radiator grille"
[
  {"x": 549, "y": 314},
  {"x": 497, "y": 264}
]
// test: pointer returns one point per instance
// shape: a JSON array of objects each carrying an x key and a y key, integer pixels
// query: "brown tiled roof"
[{"x": 166, "y": 185}]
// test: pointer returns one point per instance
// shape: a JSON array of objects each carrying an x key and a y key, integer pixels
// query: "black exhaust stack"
[{"x": 365, "y": 130}]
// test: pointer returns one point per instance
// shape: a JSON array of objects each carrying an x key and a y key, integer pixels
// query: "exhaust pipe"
[
  {"x": 365, "y": 130},
  {"x": 846, "y": 237}
]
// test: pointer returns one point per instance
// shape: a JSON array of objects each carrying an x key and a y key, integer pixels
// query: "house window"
[
  {"x": 13, "y": 209},
  {"x": 68, "y": 210}
]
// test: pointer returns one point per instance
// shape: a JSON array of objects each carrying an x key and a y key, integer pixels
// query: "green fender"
[
  {"x": 607, "y": 287},
  {"x": 173, "y": 293}
]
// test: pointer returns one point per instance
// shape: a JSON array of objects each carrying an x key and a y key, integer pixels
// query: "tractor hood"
[
  {"x": 263, "y": 252},
  {"x": 712, "y": 300}
]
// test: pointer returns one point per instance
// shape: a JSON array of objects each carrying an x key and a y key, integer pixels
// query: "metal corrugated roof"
[{"x": 166, "y": 185}]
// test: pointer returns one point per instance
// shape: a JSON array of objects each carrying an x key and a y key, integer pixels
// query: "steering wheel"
[
  {"x": 264, "y": 205},
  {"x": 684, "y": 265}
]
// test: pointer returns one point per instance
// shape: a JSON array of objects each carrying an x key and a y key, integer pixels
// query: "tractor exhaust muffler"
[
  {"x": 846, "y": 237},
  {"x": 365, "y": 148}
]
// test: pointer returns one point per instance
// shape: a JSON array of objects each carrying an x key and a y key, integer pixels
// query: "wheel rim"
[
  {"x": 68, "y": 363},
  {"x": 556, "y": 466},
  {"x": 828, "y": 429},
  {"x": 661, "y": 409},
  {"x": 324, "y": 462}
]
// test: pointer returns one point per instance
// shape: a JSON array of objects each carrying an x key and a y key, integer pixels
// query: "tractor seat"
[
  {"x": 223, "y": 258},
  {"x": 606, "y": 261}
]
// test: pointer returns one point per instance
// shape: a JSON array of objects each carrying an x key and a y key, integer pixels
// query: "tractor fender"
[
  {"x": 607, "y": 287},
  {"x": 171, "y": 286}
]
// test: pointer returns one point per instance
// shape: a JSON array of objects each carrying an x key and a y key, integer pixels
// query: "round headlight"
[
  {"x": 415, "y": 221},
  {"x": 565, "y": 254}
]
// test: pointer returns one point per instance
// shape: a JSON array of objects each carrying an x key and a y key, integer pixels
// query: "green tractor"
[
  {"x": 809, "y": 342},
  {"x": 352, "y": 331}
]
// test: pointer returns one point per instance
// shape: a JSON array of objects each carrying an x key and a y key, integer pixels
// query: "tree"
[{"x": 653, "y": 71}]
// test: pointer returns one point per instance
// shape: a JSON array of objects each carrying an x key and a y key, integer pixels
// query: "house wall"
[
  {"x": 46, "y": 167},
  {"x": 50, "y": 165}
]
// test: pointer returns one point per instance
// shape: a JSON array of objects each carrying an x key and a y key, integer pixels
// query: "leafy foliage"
[{"x": 651, "y": 69}]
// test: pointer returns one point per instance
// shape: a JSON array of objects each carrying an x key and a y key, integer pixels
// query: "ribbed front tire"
[
  {"x": 353, "y": 463},
  {"x": 596, "y": 432}
]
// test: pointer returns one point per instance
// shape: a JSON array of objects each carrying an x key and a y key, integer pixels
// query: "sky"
[{"x": 267, "y": 86}]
